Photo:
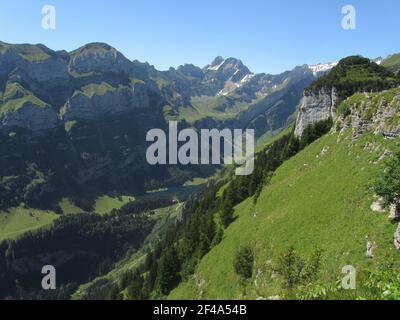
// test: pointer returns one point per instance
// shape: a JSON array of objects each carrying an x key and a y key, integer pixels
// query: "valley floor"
[{"x": 14, "y": 222}]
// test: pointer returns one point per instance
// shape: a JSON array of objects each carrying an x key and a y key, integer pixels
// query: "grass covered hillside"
[
  {"x": 15, "y": 97},
  {"x": 392, "y": 62},
  {"x": 308, "y": 212},
  {"x": 33, "y": 53},
  {"x": 318, "y": 200},
  {"x": 16, "y": 221}
]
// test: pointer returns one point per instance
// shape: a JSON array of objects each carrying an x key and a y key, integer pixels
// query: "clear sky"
[{"x": 267, "y": 35}]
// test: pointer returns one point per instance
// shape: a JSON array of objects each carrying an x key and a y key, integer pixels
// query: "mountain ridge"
[
  {"x": 64, "y": 99},
  {"x": 306, "y": 188}
]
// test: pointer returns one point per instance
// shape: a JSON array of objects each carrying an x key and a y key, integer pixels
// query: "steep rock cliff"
[{"x": 315, "y": 107}]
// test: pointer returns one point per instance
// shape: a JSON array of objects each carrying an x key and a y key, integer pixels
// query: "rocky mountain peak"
[
  {"x": 94, "y": 47},
  {"x": 231, "y": 72},
  {"x": 99, "y": 57},
  {"x": 191, "y": 71},
  {"x": 26, "y": 52},
  {"x": 229, "y": 65},
  {"x": 217, "y": 61}
]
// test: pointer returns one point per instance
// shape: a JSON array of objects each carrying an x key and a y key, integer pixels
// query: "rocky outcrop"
[
  {"x": 397, "y": 238},
  {"x": 371, "y": 247},
  {"x": 114, "y": 102},
  {"x": 91, "y": 82},
  {"x": 395, "y": 211},
  {"x": 372, "y": 112},
  {"x": 99, "y": 57},
  {"x": 387, "y": 111},
  {"x": 50, "y": 73},
  {"x": 315, "y": 107},
  {"x": 30, "y": 116},
  {"x": 377, "y": 207},
  {"x": 38, "y": 64}
]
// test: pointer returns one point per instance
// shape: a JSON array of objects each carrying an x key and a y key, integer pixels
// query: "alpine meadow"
[{"x": 123, "y": 180}]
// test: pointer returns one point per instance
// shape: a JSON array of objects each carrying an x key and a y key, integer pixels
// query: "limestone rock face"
[
  {"x": 383, "y": 118},
  {"x": 31, "y": 117},
  {"x": 376, "y": 113},
  {"x": 315, "y": 107},
  {"x": 99, "y": 57},
  {"x": 376, "y": 206},
  {"x": 114, "y": 102},
  {"x": 395, "y": 211},
  {"x": 397, "y": 238},
  {"x": 371, "y": 246},
  {"x": 91, "y": 82},
  {"x": 8, "y": 60},
  {"x": 48, "y": 72}
]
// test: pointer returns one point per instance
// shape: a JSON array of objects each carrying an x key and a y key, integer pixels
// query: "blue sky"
[{"x": 269, "y": 36}]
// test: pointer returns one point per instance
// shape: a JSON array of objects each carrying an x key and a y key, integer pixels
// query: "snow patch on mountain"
[
  {"x": 231, "y": 86},
  {"x": 323, "y": 67},
  {"x": 247, "y": 78},
  {"x": 216, "y": 67}
]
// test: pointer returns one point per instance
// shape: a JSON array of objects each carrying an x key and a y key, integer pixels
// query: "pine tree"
[
  {"x": 226, "y": 213},
  {"x": 168, "y": 271},
  {"x": 244, "y": 262},
  {"x": 135, "y": 288}
]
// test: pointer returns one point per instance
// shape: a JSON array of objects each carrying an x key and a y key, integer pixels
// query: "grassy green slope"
[
  {"x": 313, "y": 201},
  {"x": 212, "y": 107},
  {"x": 393, "y": 62},
  {"x": 106, "y": 204},
  {"x": 16, "y": 96},
  {"x": 29, "y": 52},
  {"x": 16, "y": 221}
]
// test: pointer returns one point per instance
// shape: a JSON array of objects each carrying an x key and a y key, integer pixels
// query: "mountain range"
[
  {"x": 77, "y": 121},
  {"x": 72, "y": 133}
]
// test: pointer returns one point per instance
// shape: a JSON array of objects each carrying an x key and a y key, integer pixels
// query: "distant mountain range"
[
  {"x": 75, "y": 122},
  {"x": 72, "y": 131}
]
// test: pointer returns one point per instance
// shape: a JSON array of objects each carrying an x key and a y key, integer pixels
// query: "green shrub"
[
  {"x": 226, "y": 214},
  {"x": 388, "y": 184},
  {"x": 297, "y": 271},
  {"x": 244, "y": 262},
  {"x": 312, "y": 291},
  {"x": 384, "y": 284}
]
